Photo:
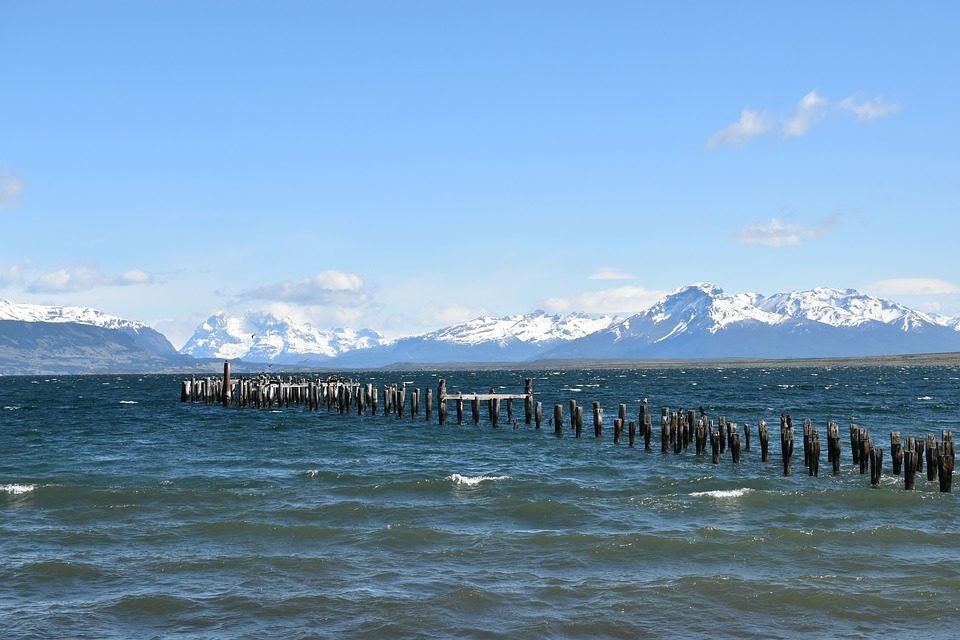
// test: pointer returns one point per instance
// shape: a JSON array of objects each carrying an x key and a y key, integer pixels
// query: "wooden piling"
[
  {"x": 764, "y": 440},
  {"x": 578, "y": 420},
  {"x": 910, "y": 458},
  {"x": 495, "y": 411},
  {"x": 932, "y": 455},
  {"x": 597, "y": 420},
  {"x": 632, "y": 432},
  {"x": 876, "y": 465},
  {"x": 538, "y": 413},
  {"x": 227, "y": 386},
  {"x": 814, "y": 467},
  {"x": 945, "y": 462},
  {"x": 459, "y": 411},
  {"x": 786, "y": 446},
  {"x": 475, "y": 410},
  {"x": 617, "y": 430},
  {"x": 558, "y": 420},
  {"x": 428, "y": 404},
  {"x": 528, "y": 400},
  {"x": 573, "y": 412},
  {"x": 896, "y": 452},
  {"x": 734, "y": 445},
  {"x": 746, "y": 436},
  {"x": 715, "y": 445}
]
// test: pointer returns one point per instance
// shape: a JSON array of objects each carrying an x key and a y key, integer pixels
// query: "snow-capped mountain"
[
  {"x": 700, "y": 321},
  {"x": 263, "y": 337},
  {"x": 485, "y": 339},
  {"x": 36, "y": 338}
]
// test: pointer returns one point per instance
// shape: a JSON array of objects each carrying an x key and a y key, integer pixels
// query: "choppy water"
[{"x": 124, "y": 513}]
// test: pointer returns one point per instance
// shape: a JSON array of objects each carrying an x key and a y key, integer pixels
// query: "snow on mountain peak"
[
  {"x": 263, "y": 337},
  {"x": 534, "y": 328},
  {"x": 80, "y": 315}
]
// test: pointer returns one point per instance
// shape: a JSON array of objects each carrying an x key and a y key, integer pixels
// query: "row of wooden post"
[{"x": 677, "y": 428}]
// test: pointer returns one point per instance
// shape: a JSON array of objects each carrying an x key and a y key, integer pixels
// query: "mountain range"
[{"x": 693, "y": 322}]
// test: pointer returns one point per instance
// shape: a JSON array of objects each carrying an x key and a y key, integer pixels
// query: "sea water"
[{"x": 126, "y": 514}]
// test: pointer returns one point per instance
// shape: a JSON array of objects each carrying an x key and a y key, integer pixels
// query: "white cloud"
[
  {"x": 11, "y": 276},
  {"x": 778, "y": 233},
  {"x": 11, "y": 186},
  {"x": 809, "y": 110},
  {"x": 806, "y": 113},
  {"x": 627, "y": 299},
  {"x": 324, "y": 288},
  {"x": 868, "y": 110},
  {"x": 611, "y": 273},
  {"x": 750, "y": 125},
  {"x": 84, "y": 278},
  {"x": 914, "y": 286}
]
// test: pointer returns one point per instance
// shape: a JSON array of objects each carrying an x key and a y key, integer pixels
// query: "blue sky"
[{"x": 406, "y": 165}]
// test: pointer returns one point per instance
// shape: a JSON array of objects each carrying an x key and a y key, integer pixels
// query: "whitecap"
[
  {"x": 312, "y": 473},
  {"x": 924, "y": 398},
  {"x": 723, "y": 493},
  {"x": 571, "y": 389},
  {"x": 473, "y": 481},
  {"x": 129, "y": 402},
  {"x": 17, "y": 489},
  {"x": 11, "y": 408}
]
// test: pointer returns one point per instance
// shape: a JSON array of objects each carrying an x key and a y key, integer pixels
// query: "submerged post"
[{"x": 528, "y": 401}]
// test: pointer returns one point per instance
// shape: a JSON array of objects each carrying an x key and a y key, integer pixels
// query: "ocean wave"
[
  {"x": 129, "y": 402},
  {"x": 924, "y": 398},
  {"x": 723, "y": 493},
  {"x": 473, "y": 481},
  {"x": 11, "y": 408},
  {"x": 17, "y": 489}
]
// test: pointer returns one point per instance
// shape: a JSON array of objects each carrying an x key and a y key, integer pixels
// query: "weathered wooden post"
[
  {"x": 573, "y": 413},
  {"x": 746, "y": 436},
  {"x": 855, "y": 443},
  {"x": 528, "y": 401},
  {"x": 674, "y": 429},
  {"x": 896, "y": 452},
  {"x": 184, "y": 390},
  {"x": 863, "y": 438},
  {"x": 633, "y": 432},
  {"x": 664, "y": 429},
  {"x": 876, "y": 465},
  {"x": 735, "y": 444},
  {"x": 597, "y": 420},
  {"x": 722, "y": 427},
  {"x": 807, "y": 435},
  {"x": 700, "y": 436},
  {"x": 945, "y": 462},
  {"x": 578, "y": 420},
  {"x": 676, "y": 425},
  {"x": 495, "y": 412},
  {"x": 617, "y": 430},
  {"x": 715, "y": 445},
  {"x": 622, "y": 412},
  {"x": 415, "y": 410},
  {"x": 227, "y": 385},
  {"x": 401, "y": 400},
  {"x": 814, "y": 468},
  {"x": 918, "y": 444},
  {"x": 428, "y": 403},
  {"x": 647, "y": 428},
  {"x": 538, "y": 413},
  {"x": 510, "y": 411},
  {"x": 442, "y": 401},
  {"x": 910, "y": 457},
  {"x": 475, "y": 410},
  {"x": 932, "y": 451},
  {"x": 786, "y": 447},
  {"x": 459, "y": 411},
  {"x": 688, "y": 428},
  {"x": 558, "y": 420}
]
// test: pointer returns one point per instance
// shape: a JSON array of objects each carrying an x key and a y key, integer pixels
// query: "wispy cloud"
[
  {"x": 627, "y": 299},
  {"x": 750, "y": 125},
  {"x": 324, "y": 288},
  {"x": 611, "y": 273},
  {"x": 11, "y": 186},
  {"x": 778, "y": 233},
  {"x": 799, "y": 120},
  {"x": 867, "y": 110},
  {"x": 11, "y": 276},
  {"x": 84, "y": 278},
  {"x": 808, "y": 111},
  {"x": 914, "y": 286}
]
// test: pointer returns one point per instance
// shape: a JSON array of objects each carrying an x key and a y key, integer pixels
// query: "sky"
[{"x": 404, "y": 166}]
